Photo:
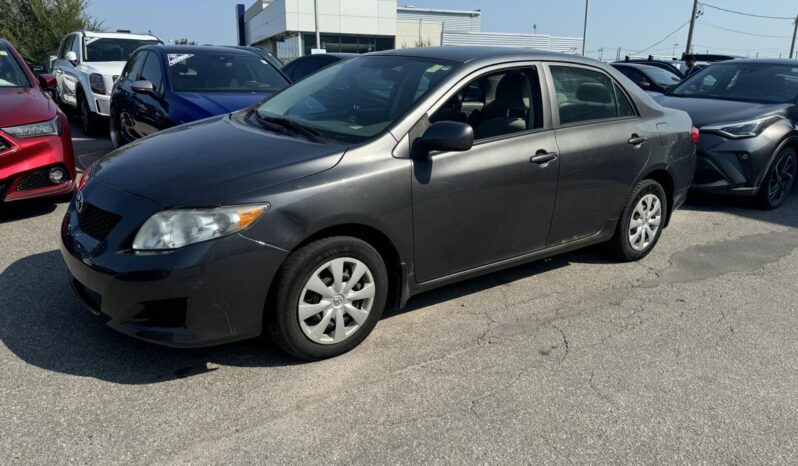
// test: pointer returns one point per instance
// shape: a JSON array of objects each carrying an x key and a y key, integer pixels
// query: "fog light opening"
[{"x": 57, "y": 175}]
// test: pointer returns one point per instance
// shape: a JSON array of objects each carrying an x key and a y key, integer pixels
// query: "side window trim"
[
  {"x": 555, "y": 107},
  {"x": 492, "y": 69}
]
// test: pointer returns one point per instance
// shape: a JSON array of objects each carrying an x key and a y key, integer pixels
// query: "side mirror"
[
  {"x": 143, "y": 87},
  {"x": 71, "y": 57},
  {"x": 47, "y": 81},
  {"x": 446, "y": 136}
]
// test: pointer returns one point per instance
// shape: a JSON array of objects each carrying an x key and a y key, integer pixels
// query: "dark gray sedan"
[{"x": 370, "y": 181}]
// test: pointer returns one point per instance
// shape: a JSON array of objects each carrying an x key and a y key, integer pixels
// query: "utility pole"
[
  {"x": 584, "y": 30},
  {"x": 316, "y": 14},
  {"x": 794, "y": 33},
  {"x": 689, "y": 47}
]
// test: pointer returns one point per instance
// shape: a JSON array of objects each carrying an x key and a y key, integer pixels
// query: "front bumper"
[
  {"x": 203, "y": 294},
  {"x": 732, "y": 166},
  {"x": 25, "y": 165}
]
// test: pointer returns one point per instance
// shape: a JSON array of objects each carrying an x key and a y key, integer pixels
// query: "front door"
[{"x": 494, "y": 201}]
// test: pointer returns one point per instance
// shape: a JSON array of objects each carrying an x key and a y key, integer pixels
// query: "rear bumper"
[
  {"x": 200, "y": 295},
  {"x": 25, "y": 166}
]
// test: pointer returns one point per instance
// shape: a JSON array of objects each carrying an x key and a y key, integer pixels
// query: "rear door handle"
[
  {"x": 543, "y": 158},
  {"x": 636, "y": 140}
]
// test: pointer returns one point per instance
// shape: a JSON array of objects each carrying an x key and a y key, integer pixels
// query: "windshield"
[
  {"x": 98, "y": 49},
  {"x": 663, "y": 77},
  {"x": 218, "y": 72},
  {"x": 750, "y": 82},
  {"x": 355, "y": 100},
  {"x": 11, "y": 74}
]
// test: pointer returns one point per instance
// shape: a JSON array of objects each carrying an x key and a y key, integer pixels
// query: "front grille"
[
  {"x": 35, "y": 180},
  {"x": 96, "y": 222}
]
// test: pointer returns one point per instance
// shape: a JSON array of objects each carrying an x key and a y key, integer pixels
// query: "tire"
[
  {"x": 632, "y": 243},
  {"x": 88, "y": 120},
  {"x": 779, "y": 180},
  {"x": 115, "y": 130},
  {"x": 314, "y": 337}
]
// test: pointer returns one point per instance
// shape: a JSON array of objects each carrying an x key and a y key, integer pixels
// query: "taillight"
[{"x": 694, "y": 135}]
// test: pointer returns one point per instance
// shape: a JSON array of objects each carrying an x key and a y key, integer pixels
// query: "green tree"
[{"x": 36, "y": 27}]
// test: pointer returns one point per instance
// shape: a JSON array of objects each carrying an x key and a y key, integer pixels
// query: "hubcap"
[
  {"x": 336, "y": 300},
  {"x": 781, "y": 179},
  {"x": 645, "y": 222}
]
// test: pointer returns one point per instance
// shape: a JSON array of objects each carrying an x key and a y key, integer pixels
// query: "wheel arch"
[{"x": 661, "y": 176}]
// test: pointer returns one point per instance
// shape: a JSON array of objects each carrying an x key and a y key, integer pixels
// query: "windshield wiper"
[{"x": 311, "y": 134}]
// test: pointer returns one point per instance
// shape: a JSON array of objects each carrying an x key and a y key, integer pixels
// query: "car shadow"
[
  {"x": 786, "y": 215},
  {"x": 45, "y": 325},
  {"x": 20, "y": 210}
]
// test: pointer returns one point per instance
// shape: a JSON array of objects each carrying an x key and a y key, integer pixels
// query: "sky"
[{"x": 634, "y": 25}]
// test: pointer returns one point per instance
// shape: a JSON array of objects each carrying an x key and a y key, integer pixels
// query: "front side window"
[
  {"x": 497, "y": 104},
  {"x": 151, "y": 71},
  {"x": 218, "y": 72},
  {"x": 11, "y": 73},
  {"x": 355, "y": 100},
  {"x": 583, "y": 95},
  {"x": 106, "y": 49},
  {"x": 747, "y": 82},
  {"x": 133, "y": 66}
]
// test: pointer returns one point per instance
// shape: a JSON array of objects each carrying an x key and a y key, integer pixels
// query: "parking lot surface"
[{"x": 688, "y": 356}]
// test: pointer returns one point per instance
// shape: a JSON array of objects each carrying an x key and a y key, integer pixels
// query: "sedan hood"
[
  {"x": 217, "y": 103},
  {"x": 19, "y": 106},
  {"x": 713, "y": 111},
  {"x": 105, "y": 68},
  {"x": 209, "y": 161}
]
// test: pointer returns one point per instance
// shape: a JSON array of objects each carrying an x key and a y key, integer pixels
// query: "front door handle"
[
  {"x": 543, "y": 158},
  {"x": 636, "y": 140}
]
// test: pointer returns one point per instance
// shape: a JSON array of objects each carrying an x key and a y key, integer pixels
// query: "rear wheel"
[
  {"x": 115, "y": 130},
  {"x": 329, "y": 296},
  {"x": 642, "y": 221},
  {"x": 779, "y": 181}
]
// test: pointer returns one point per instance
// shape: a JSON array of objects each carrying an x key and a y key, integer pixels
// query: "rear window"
[{"x": 215, "y": 72}]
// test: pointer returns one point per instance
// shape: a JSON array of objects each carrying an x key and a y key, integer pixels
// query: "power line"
[
  {"x": 663, "y": 39},
  {"x": 743, "y": 32},
  {"x": 747, "y": 14}
]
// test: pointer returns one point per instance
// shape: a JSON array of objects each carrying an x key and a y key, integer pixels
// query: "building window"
[{"x": 347, "y": 43}]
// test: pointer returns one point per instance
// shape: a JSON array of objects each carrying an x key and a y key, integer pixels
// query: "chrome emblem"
[{"x": 79, "y": 202}]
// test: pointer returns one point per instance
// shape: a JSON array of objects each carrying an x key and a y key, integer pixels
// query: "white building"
[{"x": 287, "y": 28}]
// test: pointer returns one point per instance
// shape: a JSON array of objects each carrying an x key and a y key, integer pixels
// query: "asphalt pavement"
[{"x": 689, "y": 356}]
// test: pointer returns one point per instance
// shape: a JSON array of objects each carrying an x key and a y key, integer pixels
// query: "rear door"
[
  {"x": 604, "y": 146},
  {"x": 494, "y": 201}
]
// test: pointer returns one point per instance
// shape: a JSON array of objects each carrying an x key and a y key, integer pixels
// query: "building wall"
[
  {"x": 571, "y": 45},
  {"x": 409, "y": 33},
  {"x": 453, "y": 20},
  {"x": 363, "y": 17}
]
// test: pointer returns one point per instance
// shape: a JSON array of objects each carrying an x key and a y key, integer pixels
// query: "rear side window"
[
  {"x": 583, "y": 95},
  {"x": 152, "y": 71},
  {"x": 625, "y": 108}
]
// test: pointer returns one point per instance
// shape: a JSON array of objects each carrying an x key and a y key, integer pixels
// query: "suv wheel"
[
  {"x": 88, "y": 120},
  {"x": 779, "y": 180},
  {"x": 642, "y": 221},
  {"x": 329, "y": 296}
]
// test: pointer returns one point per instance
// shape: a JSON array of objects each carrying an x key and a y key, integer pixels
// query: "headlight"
[
  {"x": 742, "y": 129},
  {"x": 172, "y": 229},
  {"x": 44, "y": 128},
  {"x": 97, "y": 83}
]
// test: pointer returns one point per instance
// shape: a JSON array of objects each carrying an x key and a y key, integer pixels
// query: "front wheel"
[
  {"x": 779, "y": 180},
  {"x": 329, "y": 296},
  {"x": 115, "y": 130},
  {"x": 642, "y": 221},
  {"x": 88, "y": 119}
]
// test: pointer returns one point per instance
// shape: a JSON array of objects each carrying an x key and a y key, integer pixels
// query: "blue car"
[{"x": 163, "y": 86}]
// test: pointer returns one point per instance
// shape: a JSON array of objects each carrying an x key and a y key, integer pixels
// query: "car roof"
[
  {"x": 165, "y": 48},
  {"x": 762, "y": 61},
  {"x": 640, "y": 66},
  {"x": 465, "y": 54},
  {"x": 340, "y": 55},
  {"x": 119, "y": 35}
]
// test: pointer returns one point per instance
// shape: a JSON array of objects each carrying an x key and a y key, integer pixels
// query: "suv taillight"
[{"x": 694, "y": 135}]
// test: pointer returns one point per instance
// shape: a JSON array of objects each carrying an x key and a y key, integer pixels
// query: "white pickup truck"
[{"x": 87, "y": 65}]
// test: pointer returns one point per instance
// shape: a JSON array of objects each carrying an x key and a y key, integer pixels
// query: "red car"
[{"x": 36, "y": 158}]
